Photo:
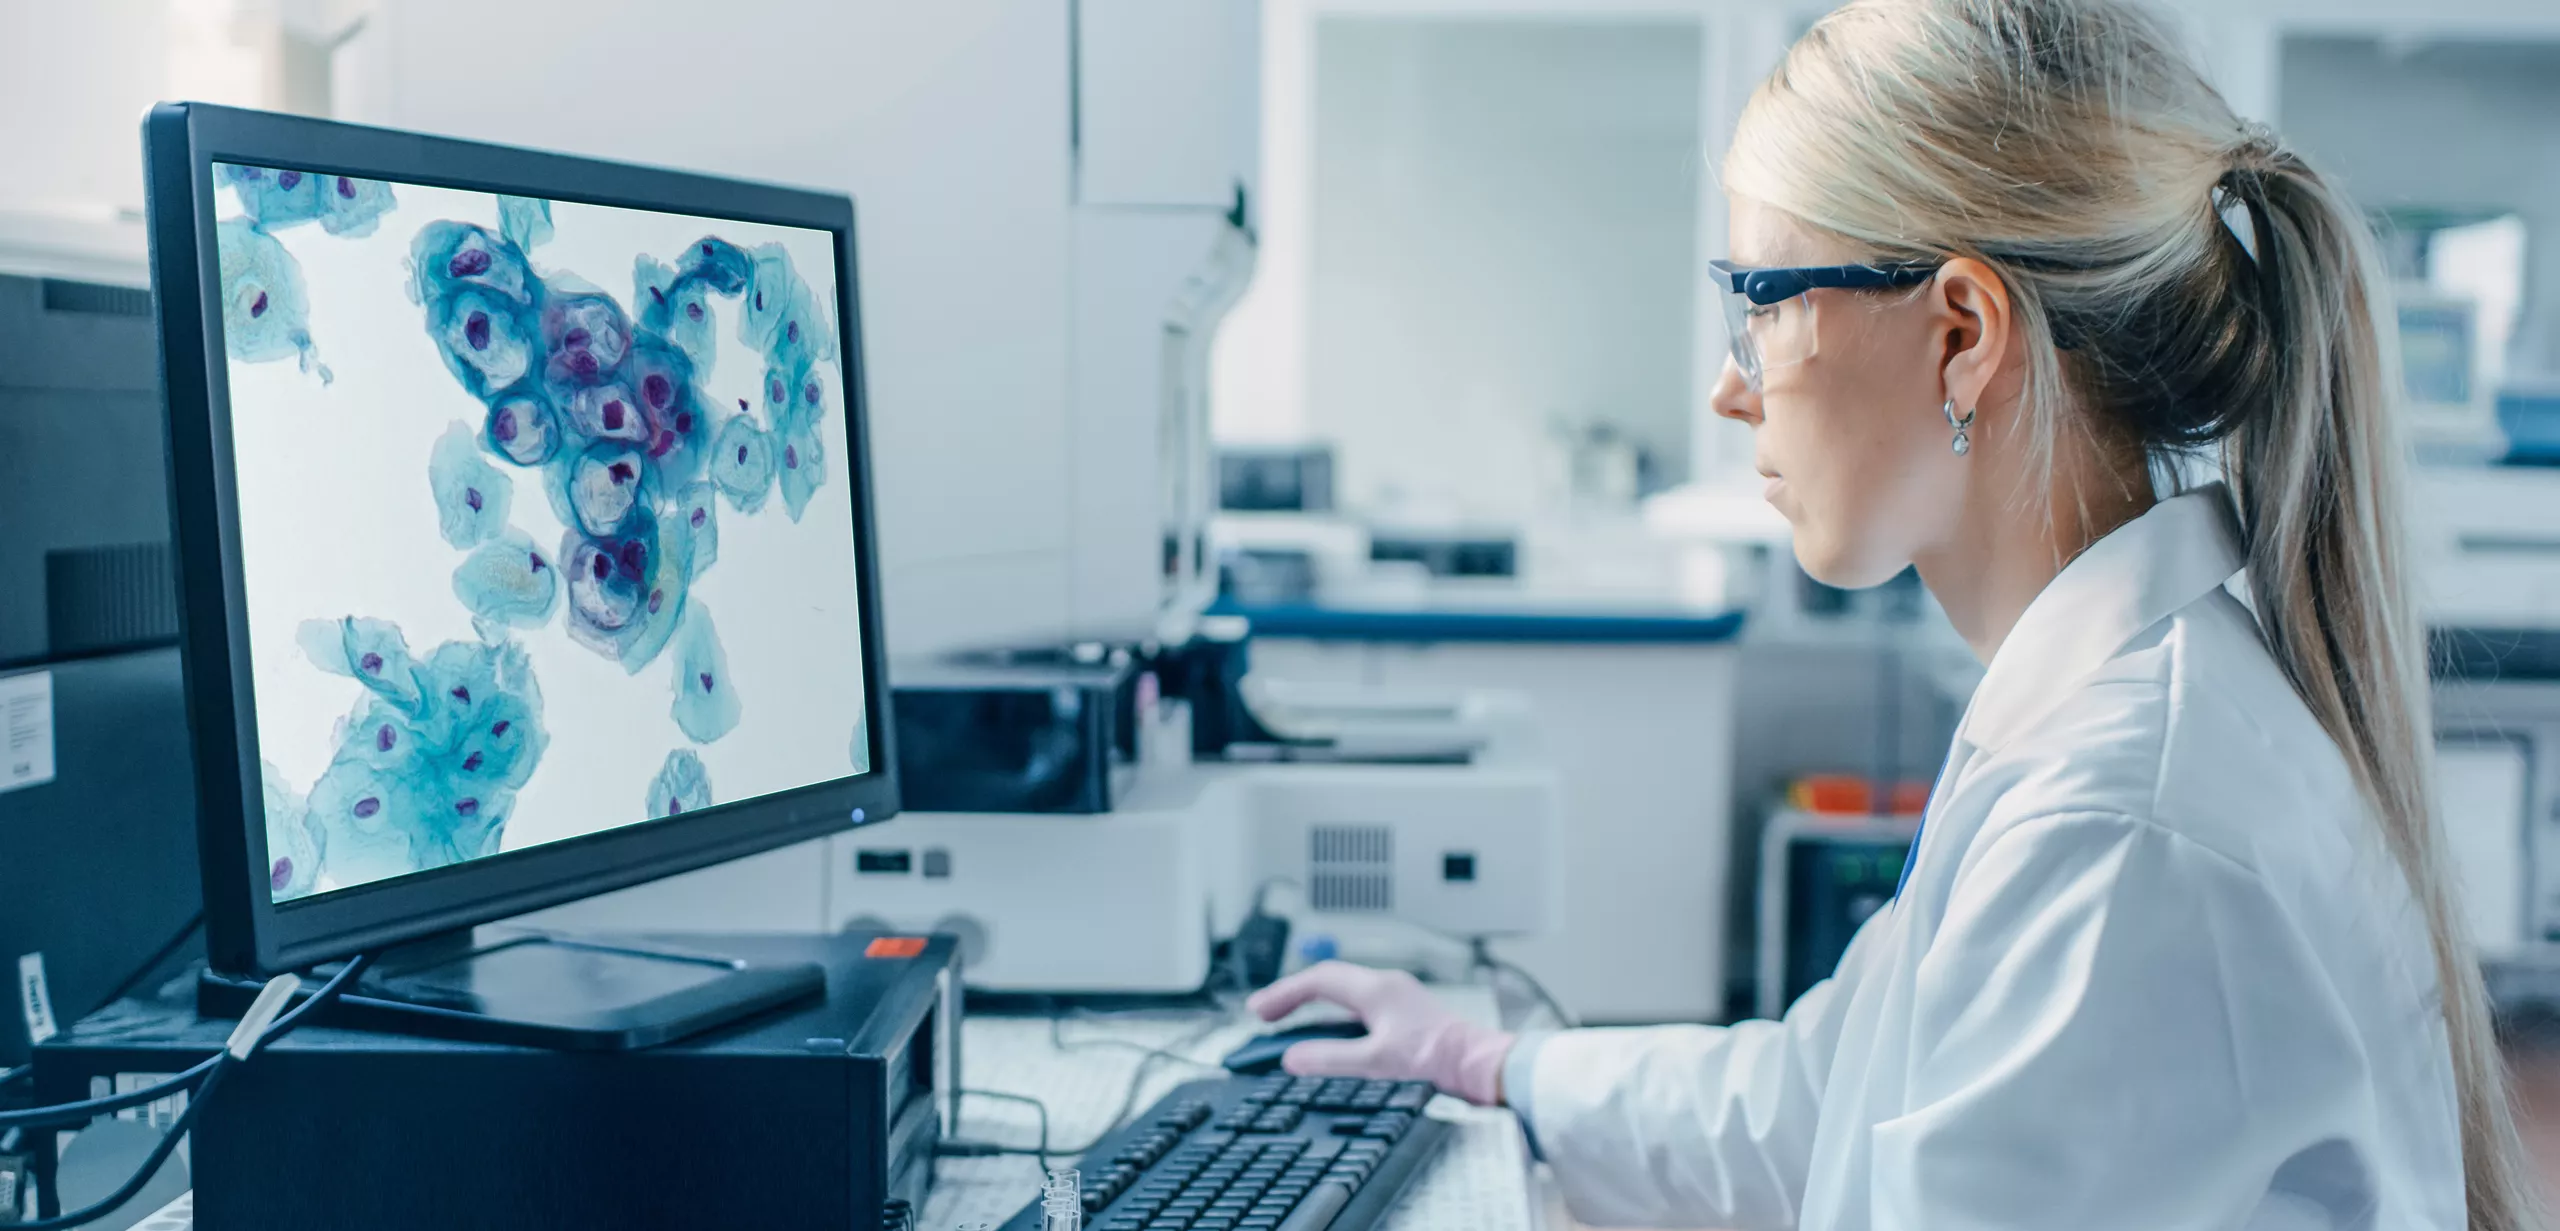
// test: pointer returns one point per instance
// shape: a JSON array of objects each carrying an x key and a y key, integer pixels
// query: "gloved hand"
[{"x": 1412, "y": 1036}]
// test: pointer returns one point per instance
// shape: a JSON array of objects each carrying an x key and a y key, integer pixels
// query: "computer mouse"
[{"x": 1261, "y": 1054}]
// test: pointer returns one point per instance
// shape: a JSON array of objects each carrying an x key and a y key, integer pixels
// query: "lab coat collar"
[{"x": 2138, "y": 575}]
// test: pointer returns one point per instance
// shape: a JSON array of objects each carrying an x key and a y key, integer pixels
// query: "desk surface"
[{"x": 1481, "y": 1182}]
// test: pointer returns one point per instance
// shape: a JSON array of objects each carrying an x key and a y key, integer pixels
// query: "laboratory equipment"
[
  {"x": 994, "y": 735},
  {"x": 1275, "y": 480},
  {"x": 1260, "y": 1055},
  {"x": 450, "y": 521},
  {"x": 1062, "y": 1200},
  {"x": 1821, "y": 876},
  {"x": 825, "y": 1115},
  {"x": 2451, "y": 410},
  {"x": 1300, "y": 1152}
]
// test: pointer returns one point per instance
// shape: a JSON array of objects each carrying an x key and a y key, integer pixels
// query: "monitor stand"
[{"x": 534, "y": 989}]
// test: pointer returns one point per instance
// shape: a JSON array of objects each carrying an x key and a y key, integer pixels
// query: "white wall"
[
  {"x": 74, "y": 82},
  {"x": 1504, "y": 228}
]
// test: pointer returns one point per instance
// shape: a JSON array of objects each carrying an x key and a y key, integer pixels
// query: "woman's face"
[{"x": 1848, "y": 425}]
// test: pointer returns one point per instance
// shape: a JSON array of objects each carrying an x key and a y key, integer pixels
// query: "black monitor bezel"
[{"x": 245, "y": 931}]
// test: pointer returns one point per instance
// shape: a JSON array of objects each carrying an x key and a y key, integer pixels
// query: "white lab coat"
[{"x": 2152, "y": 970}]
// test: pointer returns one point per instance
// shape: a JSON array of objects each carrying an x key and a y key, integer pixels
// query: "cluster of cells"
[
  {"x": 266, "y": 313},
  {"x": 608, "y": 411},
  {"x": 428, "y": 762}
]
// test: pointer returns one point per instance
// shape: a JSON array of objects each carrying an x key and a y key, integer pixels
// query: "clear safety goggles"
[{"x": 1769, "y": 321}]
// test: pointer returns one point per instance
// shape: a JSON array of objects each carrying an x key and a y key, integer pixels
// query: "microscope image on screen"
[{"x": 484, "y": 541}]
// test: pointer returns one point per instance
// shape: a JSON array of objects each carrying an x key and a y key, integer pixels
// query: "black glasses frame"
[{"x": 1771, "y": 285}]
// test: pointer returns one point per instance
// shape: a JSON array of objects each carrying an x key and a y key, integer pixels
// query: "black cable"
[
  {"x": 986, "y": 1149},
  {"x": 72, "y": 1113},
  {"x": 152, "y": 963},
  {"x": 1137, "y": 1083},
  {"x": 1484, "y": 956},
  {"x": 1059, "y": 1041},
  {"x": 214, "y": 1069}
]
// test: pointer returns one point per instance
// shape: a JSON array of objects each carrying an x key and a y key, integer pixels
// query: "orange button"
[{"x": 895, "y": 946}]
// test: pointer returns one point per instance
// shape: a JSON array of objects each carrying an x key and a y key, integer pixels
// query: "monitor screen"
[{"x": 543, "y": 525}]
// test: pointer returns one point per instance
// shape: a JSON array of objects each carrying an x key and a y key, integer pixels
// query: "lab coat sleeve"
[
  {"x": 2114, "y": 1027},
  {"x": 1683, "y": 1126}
]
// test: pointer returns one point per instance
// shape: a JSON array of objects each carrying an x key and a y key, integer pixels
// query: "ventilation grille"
[
  {"x": 93, "y": 299},
  {"x": 1351, "y": 868},
  {"x": 109, "y": 598}
]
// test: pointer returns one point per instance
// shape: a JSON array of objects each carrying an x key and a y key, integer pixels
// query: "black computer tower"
[{"x": 822, "y": 1117}]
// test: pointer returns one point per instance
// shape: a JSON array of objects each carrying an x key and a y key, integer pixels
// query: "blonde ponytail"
[{"x": 2070, "y": 145}]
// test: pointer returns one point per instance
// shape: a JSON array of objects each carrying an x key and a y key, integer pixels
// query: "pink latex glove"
[{"x": 1412, "y": 1036}]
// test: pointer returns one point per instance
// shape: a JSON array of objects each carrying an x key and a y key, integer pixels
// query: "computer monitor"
[{"x": 525, "y": 548}]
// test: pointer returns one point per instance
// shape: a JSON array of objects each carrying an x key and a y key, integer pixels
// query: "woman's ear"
[{"x": 1973, "y": 322}]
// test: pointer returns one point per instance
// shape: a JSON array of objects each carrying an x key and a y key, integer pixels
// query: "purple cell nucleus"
[
  {"x": 471, "y": 763},
  {"x": 468, "y": 263},
  {"x": 500, "y": 727},
  {"x": 367, "y": 806},
  {"x": 281, "y": 875},
  {"x": 663, "y": 445},
  {"x": 504, "y": 428},
  {"x": 371, "y": 663},
  {"x": 346, "y": 188},
  {"x": 466, "y": 807},
  {"x": 791, "y": 457},
  {"x": 622, "y": 472},
  {"x": 773, "y": 390},
  {"x": 810, "y": 391},
  {"x": 471, "y": 496},
  {"x": 684, "y": 421},
  {"x": 613, "y": 413},
  {"x": 700, "y": 516},
  {"x": 657, "y": 599},
  {"x": 634, "y": 557},
  {"x": 288, "y": 179},
  {"x": 258, "y": 306},
  {"x": 791, "y": 331},
  {"x": 462, "y": 694},
  {"x": 658, "y": 295},
  {"x": 705, "y": 677},
  {"x": 576, "y": 337},
  {"x": 759, "y": 301},
  {"x": 742, "y": 455},
  {"x": 707, "y": 250},
  {"x": 693, "y": 311},
  {"x": 537, "y": 560},
  {"x": 604, "y": 568},
  {"x": 583, "y": 365},
  {"x": 475, "y": 330},
  {"x": 385, "y": 738},
  {"x": 674, "y": 806},
  {"x": 742, "y": 403},
  {"x": 658, "y": 390}
]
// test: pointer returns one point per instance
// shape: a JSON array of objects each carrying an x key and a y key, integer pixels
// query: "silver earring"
[{"x": 1963, "y": 427}]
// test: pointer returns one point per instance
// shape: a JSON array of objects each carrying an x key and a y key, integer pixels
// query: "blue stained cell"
[
  {"x": 452, "y": 256},
  {"x": 742, "y": 463},
  {"x": 472, "y": 496},
  {"x": 584, "y": 337},
  {"x": 804, "y": 468},
  {"x": 774, "y": 295},
  {"x": 484, "y": 340},
  {"x": 623, "y": 590},
  {"x": 353, "y": 207},
  {"x": 294, "y": 844},
  {"x": 523, "y": 429},
  {"x": 509, "y": 582},
  {"x": 372, "y": 651},
  {"x": 275, "y": 198},
  {"x": 663, "y": 594},
  {"x": 608, "y": 412},
  {"x": 525, "y": 221},
  {"x": 266, "y": 313},
  {"x": 698, "y": 510},
  {"x": 606, "y": 484},
  {"x": 429, "y": 782},
  {"x": 682, "y": 786},
  {"x": 706, "y": 704},
  {"x": 718, "y": 264}
]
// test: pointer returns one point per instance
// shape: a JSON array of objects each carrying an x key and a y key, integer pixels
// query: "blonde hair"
[{"x": 2070, "y": 145}]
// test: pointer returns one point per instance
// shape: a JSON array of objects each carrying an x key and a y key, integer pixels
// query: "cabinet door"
[{"x": 1168, "y": 100}]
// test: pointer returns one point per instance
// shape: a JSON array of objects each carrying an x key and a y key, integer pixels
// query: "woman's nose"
[{"x": 1732, "y": 396}]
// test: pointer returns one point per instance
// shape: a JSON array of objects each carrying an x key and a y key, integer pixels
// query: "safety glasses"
[{"x": 1770, "y": 323}]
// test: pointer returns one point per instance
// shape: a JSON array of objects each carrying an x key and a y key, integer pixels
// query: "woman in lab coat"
[{"x": 2175, "y": 948}]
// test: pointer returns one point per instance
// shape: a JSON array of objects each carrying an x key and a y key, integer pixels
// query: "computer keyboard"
[{"x": 1272, "y": 1153}]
